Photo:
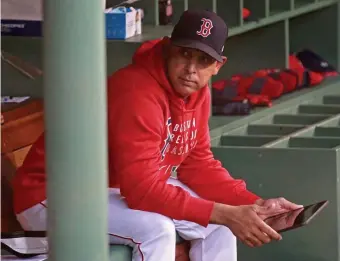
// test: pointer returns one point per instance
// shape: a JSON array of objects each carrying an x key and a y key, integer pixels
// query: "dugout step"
[
  {"x": 331, "y": 99},
  {"x": 327, "y": 132},
  {"x": 273, "y": 129},
  {"x": 247, "y": 140}
]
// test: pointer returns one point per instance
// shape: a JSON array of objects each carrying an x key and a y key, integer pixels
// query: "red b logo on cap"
[{"x": 205, "y": 27}]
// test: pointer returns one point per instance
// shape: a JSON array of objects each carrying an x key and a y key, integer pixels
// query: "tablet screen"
[{"x": 295, "y": 218}]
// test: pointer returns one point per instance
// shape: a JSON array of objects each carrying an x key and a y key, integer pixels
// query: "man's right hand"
[{"x": 245, "y": 223}]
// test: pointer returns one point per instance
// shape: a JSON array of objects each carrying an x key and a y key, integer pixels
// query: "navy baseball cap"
[{"x": 203, "y": 30}]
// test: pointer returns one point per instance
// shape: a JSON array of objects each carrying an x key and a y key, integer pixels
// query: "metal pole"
[{"x": 76, "y": 129}]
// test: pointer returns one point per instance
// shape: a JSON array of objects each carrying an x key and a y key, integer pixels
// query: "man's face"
[{"x": 190, "y": 69}]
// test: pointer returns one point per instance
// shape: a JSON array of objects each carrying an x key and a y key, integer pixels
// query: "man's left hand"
[{"x": 276, "y": 206}]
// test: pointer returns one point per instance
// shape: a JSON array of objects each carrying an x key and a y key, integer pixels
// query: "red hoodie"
[{"x": 152, "y": 132}]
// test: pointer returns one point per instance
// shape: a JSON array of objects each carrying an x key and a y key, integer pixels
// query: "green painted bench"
[{"x": 117, "y": 252}]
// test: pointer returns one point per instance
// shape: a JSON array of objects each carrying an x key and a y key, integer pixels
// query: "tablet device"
[{"x": 295, "y": 218}]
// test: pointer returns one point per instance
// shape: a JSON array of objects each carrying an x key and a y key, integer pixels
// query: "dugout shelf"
[{"x": 291, "y": 150}]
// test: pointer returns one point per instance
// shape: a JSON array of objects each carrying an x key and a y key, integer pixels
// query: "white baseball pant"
[{"x": 152, "y": 236}]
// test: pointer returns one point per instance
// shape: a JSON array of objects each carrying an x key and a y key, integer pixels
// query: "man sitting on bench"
[{"x": 158, "y": 111}]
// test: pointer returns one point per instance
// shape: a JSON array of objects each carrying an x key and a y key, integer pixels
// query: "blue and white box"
[
  {"x": 21, "y": 18},
  {"x": 123, "y": 22}
]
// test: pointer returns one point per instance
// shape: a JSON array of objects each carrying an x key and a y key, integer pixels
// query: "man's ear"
[{"x": 220, "y": 64}]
